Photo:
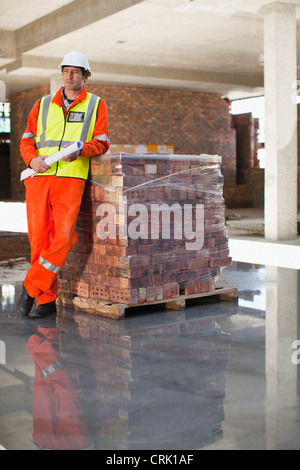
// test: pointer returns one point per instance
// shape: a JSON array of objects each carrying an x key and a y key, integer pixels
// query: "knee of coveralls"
[
  {"x": 41, "y": 280},
  {"x": 39, "y": 214},
  {"x": 62, "y": 239}
]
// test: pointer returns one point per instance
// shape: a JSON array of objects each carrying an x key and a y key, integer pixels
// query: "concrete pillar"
[
  {"x": 56, "y": 82},
  {"x": 281, "y": 371},
  {"x": 2, "y": 91},
  {"x": 280, "y": 52}
]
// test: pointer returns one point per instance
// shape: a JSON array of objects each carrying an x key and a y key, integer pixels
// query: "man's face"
[{"x": 73, "y": 78}]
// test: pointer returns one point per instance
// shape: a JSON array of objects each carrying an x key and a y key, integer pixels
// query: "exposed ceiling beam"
[
  {"x": 65, "y": 20},
  {"x": 7, "y": 44},
  {"x": 163, "y": 73}
]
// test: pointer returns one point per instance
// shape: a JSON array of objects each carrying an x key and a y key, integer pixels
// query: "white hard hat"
[{"x": 75, "y": 59}]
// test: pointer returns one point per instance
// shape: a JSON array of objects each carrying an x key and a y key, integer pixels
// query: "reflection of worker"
[
  {"x": 58, "y": 419},
  {"x": 54, "y": 195}
]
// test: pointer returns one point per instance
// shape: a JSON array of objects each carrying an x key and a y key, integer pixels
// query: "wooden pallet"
[{"x": 117, "y": 311}]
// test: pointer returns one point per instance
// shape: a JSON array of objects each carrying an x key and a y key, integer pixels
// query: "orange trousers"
[{"x": 52, "y": 209}]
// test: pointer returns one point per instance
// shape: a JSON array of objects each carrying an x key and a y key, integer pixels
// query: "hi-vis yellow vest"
[{"x": 54, "y": 132}]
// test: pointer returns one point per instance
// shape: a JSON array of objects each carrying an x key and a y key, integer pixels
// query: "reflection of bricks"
[
  {"x": 124, "y": 377},
  {"x": 130, "y": 271}
]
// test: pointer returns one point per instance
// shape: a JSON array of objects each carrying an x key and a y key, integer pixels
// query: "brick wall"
[
  {"x": 247, "y": 129},
  {"x": 249, "y": 190},
  {"x": 193, "y": 122},
  {"x": 21, "y": 104}
]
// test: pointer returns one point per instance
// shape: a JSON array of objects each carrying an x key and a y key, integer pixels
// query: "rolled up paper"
[{"x": 65, "y": 152}]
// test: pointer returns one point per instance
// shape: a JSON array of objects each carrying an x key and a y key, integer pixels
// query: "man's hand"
[
  {"x": 38, "y": 165},
  {"x": 72, "y": 157}
]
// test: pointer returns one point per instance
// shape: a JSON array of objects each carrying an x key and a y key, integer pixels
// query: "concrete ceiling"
[{"x": 200, "y": 45}]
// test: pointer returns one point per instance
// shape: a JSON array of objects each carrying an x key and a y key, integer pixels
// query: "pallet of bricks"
[{"x": 151, "y": 230}]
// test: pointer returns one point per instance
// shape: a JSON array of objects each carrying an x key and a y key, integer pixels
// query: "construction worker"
[{"x": 53, "y": 196}]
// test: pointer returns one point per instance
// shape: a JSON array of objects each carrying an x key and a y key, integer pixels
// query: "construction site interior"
[{"x": 177, "y": 324}]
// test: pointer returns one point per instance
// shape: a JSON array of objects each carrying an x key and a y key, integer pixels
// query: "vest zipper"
[{"x": 65, "y": 122}]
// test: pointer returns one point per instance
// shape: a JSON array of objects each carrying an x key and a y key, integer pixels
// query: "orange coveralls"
[{"x": 53, "y": 204}]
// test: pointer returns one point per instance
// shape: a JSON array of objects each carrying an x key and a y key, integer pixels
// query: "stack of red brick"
[{"x": 150, "y": 228}]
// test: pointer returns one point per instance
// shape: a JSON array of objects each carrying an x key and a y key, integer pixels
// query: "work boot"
[
  {"x": 43, "y": 310},
  {"x": 25, "y": 303}
]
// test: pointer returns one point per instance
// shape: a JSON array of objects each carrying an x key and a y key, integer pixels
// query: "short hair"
[{"x": 86, "y": 73}]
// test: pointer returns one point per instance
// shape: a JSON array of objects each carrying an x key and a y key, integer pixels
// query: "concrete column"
[
  {"x": 56, "y": 82},
  {"x": 2, "y": 91},
  {"x": 281, "y": 371},
  {"x": 280, "y": 52}
]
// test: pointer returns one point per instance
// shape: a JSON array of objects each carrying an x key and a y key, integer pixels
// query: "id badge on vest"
[{"x": 75, "y": 116}]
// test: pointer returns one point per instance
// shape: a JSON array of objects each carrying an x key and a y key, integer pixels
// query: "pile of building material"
[
  {"x": 151, "y": 228},
  {"x": 253, "y": 225}
]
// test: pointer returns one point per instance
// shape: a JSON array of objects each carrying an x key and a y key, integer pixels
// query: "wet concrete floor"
[{"x": 218, "y": 375}]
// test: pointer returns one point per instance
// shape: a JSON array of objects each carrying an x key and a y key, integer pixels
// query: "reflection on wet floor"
[{"x": 218, "y": 375}]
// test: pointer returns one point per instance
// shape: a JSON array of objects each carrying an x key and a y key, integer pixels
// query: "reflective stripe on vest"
[{"x": 54, "y": 132}]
